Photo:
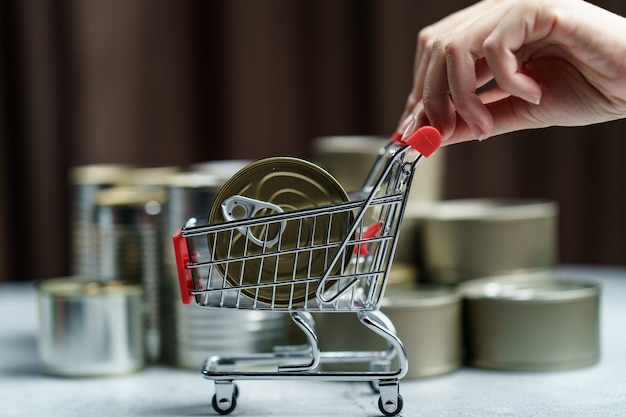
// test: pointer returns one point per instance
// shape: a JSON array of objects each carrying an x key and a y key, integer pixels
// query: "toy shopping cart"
[{"x": 333, "y": 258}]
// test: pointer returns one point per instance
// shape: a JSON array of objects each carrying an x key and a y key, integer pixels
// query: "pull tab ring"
[{"x": 249, "y": 207}]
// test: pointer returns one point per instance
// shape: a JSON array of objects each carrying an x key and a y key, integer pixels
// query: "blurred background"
[{"x": 173, "y": 82}]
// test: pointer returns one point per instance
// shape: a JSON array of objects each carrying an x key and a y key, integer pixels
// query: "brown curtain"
[{"x": 168, "y": 82}]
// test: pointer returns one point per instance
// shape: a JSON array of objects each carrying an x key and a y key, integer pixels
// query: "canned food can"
[
  {"x": 532, "y": 326},
  {"x": 89, "y": 328},
  {"x": 288, "y": 184},
  {"x": 427, "y": 319},
  {"x": 129, "y": 247},
  {"x": 86, "y": 181},
  {"x": 465, "y": 239}
]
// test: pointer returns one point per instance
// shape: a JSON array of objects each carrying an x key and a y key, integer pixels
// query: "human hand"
[{"x": 552, "y": 62}]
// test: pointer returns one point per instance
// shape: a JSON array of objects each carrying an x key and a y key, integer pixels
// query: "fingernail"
[
  {"x": 477, "y": 131},
  {"x": 533, "y": 99},
  {"x": 410, "y": 127}
]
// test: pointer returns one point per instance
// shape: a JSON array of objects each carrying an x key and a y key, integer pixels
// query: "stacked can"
[
  {"x": 474, "y": 238},
  {"x": 533, "y": 325},
  {"x": 128, "y": 241},
  {"x": 86, "y": 181},
  {"x": 191, "y": 334},
  {"x": 500, "y": 254}
]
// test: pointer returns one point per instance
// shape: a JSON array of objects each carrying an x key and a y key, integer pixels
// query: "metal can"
[
  {"x": 89, "y": 328},
  {"x": 532, "y": 326},
  {"x": 466, "y": 239},
  {"x": 86, "y": 181},
  {"x": 285, "y": 184},
  {"x": 129, "y": 247},
  {"x": 427, "y": 319}
]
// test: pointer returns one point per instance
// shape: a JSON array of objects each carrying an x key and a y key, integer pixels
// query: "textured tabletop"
[{"x": 599, "y": 390}]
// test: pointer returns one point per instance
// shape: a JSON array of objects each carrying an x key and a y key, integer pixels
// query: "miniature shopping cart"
[{"x": 234, "y": 265}]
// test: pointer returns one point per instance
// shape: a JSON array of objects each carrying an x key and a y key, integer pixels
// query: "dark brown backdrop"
[{"x": 168, "y": 82}]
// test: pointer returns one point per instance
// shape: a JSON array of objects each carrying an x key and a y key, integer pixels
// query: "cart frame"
[{"x": 353, "y": 277}]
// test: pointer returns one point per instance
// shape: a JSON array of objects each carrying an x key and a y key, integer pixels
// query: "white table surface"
[{"x": 599, "y": 390}]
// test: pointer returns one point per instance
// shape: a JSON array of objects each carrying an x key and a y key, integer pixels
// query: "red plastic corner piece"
[
  {"x": 185, "y": 279},
  {"x": 397, "y": 138},
  {"x": 426, "y": 140}
]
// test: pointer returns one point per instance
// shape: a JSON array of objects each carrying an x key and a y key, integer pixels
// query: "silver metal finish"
[
  {"x": 86, "y": 181},
  {"x": 90, "y": 328},
  {"x": 128, "y": 228},
  {"x": 352, "y": 280}
]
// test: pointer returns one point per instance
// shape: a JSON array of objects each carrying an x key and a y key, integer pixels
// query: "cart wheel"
[
  {"x": 216, "y": 405},
  {"x": 386, "y": 408}
]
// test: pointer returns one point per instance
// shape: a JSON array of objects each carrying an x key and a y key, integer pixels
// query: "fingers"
[
  {"x": 524, "y": 25},
  {"x": 425, "y": 41},
  {"x": 455, "y": 71},
  {"x": 463, "y": 60}
]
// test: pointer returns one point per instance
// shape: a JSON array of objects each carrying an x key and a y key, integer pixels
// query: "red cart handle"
[{"x": 185, "y": 279}]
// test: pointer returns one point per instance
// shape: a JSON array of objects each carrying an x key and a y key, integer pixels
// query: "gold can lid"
[{"x": 291, "y": 184}]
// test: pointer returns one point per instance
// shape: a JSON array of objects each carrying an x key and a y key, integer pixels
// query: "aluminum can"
[
  {"x": 90, "y": 328},
  {"x": 532, "y": 326},
  {"x": 288, "y": 184},
  {"x": 86, "y": 181},
  {"x": 129, "y": 223},
  {"x": 466, "y": 239}
]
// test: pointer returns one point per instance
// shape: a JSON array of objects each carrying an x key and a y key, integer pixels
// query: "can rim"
[
  {"x": 99, "y": 174},
  {"x": 130, "y": 195},
  {"x": 488, "y": 209},
  {"x": 423, "y": 295},
  {"x": 346, "y": 144},
  {"x": 79, "y": 287},
  {"x": 535, "y": 291}
]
